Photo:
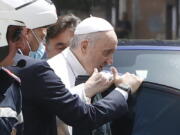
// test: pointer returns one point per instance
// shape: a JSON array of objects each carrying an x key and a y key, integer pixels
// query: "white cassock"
[{"x": 67, "y": 67}]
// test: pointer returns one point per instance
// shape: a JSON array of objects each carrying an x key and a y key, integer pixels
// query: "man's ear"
[{"x": 84, "y": 46}]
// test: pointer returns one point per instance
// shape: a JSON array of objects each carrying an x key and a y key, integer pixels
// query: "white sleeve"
[{"x": 79, "y": 90}]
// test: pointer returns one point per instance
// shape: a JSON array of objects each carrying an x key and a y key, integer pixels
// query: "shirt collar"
[{"x": 77, "y": 68}]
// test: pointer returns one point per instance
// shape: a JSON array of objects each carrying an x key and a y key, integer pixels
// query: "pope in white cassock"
[{"x": 92, "y": 47}]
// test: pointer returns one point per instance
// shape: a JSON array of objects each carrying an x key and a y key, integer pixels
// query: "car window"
[{"x": 161, "y": 67}]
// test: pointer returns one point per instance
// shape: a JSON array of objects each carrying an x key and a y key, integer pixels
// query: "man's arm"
[{"x": 58, "y": 100}]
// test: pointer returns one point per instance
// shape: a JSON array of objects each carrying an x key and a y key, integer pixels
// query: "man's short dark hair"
[{"x": 63, "y": 23}]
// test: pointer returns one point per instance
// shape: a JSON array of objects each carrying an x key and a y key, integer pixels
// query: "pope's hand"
[
  {"x": 129, "y": 79},
  {"x": 97, "y": 83}
]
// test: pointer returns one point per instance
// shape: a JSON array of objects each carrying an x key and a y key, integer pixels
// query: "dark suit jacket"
[{"x": 45, "y": 96}]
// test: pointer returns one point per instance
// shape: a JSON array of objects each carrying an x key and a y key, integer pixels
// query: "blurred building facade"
[
  {"x": 136, "y": 19},
  {"x": 157, "y": 19}
]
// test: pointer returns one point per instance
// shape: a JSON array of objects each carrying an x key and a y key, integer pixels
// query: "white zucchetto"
[{"x": 93, "y": 24}]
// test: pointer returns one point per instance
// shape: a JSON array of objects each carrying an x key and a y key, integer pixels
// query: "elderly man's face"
[{"x": 101, "y": 53}]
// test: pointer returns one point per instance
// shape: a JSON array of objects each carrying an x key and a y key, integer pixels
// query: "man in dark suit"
[{"x": 45, "y": 96}]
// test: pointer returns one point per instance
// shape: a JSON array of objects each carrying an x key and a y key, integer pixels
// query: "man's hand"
[
  {"x": 129, "y": 79},
  {"x": 97, "y": 83}
]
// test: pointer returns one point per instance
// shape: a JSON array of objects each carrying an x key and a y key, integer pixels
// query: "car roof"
[
  {"x": 166, "y": 45},
  {"x": 149, "y": 42}
]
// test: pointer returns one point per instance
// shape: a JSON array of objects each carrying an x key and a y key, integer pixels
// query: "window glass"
[{"x": 157, "y": 66}]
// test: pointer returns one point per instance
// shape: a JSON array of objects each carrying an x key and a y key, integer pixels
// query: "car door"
[{"x": 155, "y": 109}]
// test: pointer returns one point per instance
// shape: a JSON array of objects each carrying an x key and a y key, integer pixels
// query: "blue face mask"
[{"x": 39, "y": 53}]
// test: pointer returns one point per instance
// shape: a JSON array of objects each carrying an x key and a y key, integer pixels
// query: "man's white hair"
[{"x": 90, "y": 37}]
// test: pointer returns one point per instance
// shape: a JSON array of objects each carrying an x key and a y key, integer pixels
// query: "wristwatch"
[{"x": 125, "y": 87}]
